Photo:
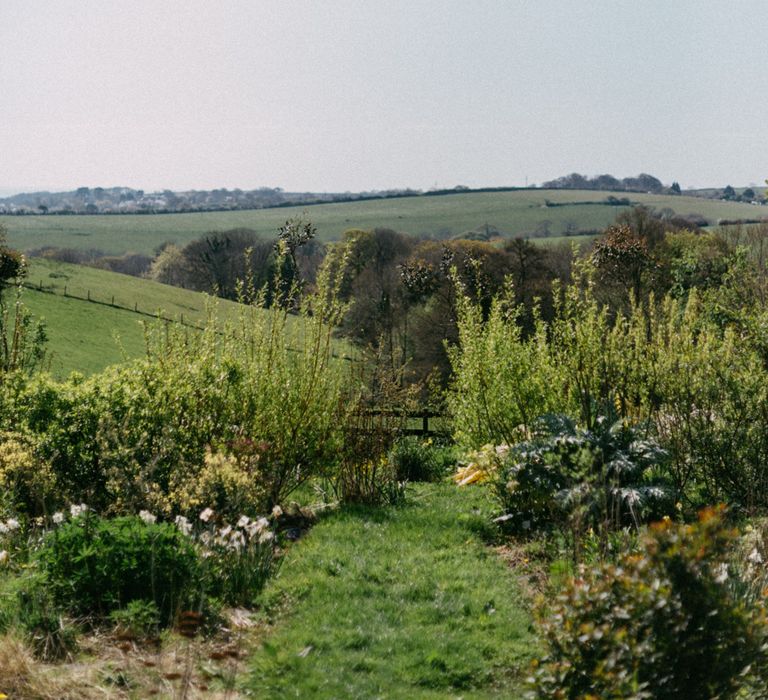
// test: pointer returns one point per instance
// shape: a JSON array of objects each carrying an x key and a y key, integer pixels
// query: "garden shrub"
[
  {"x": 94, "y": 566},
  {"x": 696, "y": 373},
  {"x": 662, "y": 624},
  {"x": 501, "y": 380},
  {"x": 576, "y": 478},
  {"x": 134, "y": 436},
  {"x": 29, "y": 483},
  {"x": 415, "y": 459},
  {"x": 229, "y": 483}
]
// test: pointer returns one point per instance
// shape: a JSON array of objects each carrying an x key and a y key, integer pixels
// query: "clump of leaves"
[
  {"x": 415, "y": 459},
  {"x": 94, "y": 566},
  {"x": 662, "y": 624},
  {"x": 570, "y": 477}
]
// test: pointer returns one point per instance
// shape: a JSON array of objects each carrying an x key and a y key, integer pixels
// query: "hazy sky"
[{"x": 356, "y": 95}]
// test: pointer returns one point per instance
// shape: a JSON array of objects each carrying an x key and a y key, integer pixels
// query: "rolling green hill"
[
  {"x": 87, "y": 336},
  {"x": 516, "y": 213},
  {"x": 93, "y": 317}
]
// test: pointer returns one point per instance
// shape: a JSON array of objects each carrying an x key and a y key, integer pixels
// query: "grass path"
[{"x": 404, "y": 602}]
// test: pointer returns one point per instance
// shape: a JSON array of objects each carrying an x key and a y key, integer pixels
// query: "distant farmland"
[{"x": 517, "y": 213}]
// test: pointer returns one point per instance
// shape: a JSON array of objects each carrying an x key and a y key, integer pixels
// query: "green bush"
[
  {"x": 264, "y": 389},
  {"x": 662, "y": 624},
  {"x": 578, "y": 479},
  {"x": 94, "y": 566},
  {"x": 415, "y": 459}
]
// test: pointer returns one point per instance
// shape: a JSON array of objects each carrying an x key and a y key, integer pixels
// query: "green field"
[
  {"x": 88, "y": 336},
  {"x": 517, "y": 213},
  {"x": 94, "y": 318}
]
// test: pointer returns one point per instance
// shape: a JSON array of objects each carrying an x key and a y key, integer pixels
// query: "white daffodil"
[
  {"x": 147, "y": 517},
  {"x": 183, "y": 524}
]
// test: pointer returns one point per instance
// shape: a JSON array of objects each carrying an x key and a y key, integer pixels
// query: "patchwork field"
[{"x": 517, "y": 213}]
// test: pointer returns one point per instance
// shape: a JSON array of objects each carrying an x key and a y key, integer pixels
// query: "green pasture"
[
  {"x": 87, "y": 336},
  {"x": 518, "y": 213}
]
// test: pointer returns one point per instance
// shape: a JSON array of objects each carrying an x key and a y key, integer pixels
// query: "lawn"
[{"x": 402, "y": 602}]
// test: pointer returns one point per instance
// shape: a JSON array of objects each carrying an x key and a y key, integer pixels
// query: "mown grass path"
[{"x": 403, "y": 602}]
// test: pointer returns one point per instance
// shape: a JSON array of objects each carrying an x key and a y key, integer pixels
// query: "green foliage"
[
  {"x": 578, "y": 479},
  {"x": 501, "y": 380},
  {"x": 663, "y": 624},
  {"x": 93, "y": 566},
  {"x": 140, "y": 618},
  {"x": 697, "y": 375},
  {"x": 415, "y": 459},
  {"x": 262, "y": 389},
  {"x": 52, "y": 636}
]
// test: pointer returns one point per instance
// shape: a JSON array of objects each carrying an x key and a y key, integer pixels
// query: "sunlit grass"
[{"x": 402, "y": 602}]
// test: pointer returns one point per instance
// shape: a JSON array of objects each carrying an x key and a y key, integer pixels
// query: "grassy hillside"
[
  {"x": 88, "y": 336},
  {"x": 517, "y": 213}
]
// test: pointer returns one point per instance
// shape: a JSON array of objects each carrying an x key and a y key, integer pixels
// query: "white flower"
[
  {"x": 262, "y": 524},
  {"x": 3, "y": 528},
  {"x": 58, "y": 518},
  {"x": 147, "y": 517},
  {"x": 243, "y": 522},
  {"x": 3, "y": 557},
  {"x": 183, "y": 524},
  {"x": 721, "y": 573},
  {"x": 225, "y": 531},
  {"x": 755, "y": 557},
  {"x": 76, "y": 510},
  {"x": 236, "y": 541},
  {"x": 277, "y": 511},
  {"x": 12, "y": 524},
  {"x": 266, "y": 537},
  {"x": 205, "y": 516}
]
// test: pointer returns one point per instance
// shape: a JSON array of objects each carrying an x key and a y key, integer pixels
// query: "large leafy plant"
[{"x": 604, "y": 477}]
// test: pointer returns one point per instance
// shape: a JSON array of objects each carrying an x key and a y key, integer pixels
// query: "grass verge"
[{"x": 404, "y": 602}]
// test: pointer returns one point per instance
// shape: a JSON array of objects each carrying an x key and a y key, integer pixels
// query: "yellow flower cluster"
[
  {"x": 482, "y": 465},
  {"x": 22, "y": 474},
  {"x": 223, "y": 483}
]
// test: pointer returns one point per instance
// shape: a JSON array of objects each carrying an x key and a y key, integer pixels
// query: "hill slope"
[
  {"x": 517, "y": 213},
  {"x": 94, "y": 318}
]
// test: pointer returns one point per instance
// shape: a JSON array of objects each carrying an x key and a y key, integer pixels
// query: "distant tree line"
[{"x": 641, "y": 183}]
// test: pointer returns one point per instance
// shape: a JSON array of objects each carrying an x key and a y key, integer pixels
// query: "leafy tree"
[{"x": 622, "y": 259}]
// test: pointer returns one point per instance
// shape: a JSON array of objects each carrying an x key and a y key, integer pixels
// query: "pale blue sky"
[{"x": 362, "y": 95}]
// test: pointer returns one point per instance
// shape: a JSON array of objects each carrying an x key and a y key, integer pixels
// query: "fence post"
[
  {"x": 136, "y": 306},
  {"x": 65, "y": 290},
  {"x": 425, "y": 423},
  {"x": 113, "y": 300},
  {"x": 89, "y": 295}
]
